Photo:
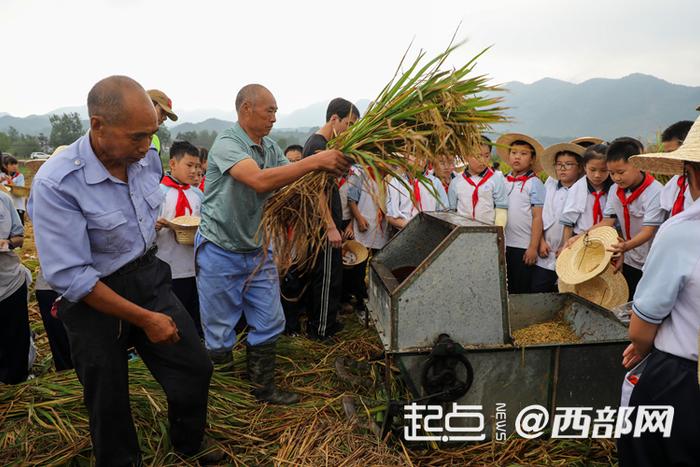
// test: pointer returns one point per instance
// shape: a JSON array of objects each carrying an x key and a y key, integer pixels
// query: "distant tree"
[
  {"x": 190, "y": 136},
  {"x": 43, "y": 142},
  {"x": 4, "y": 142},
  {"x": 65, "y": 128},
  {"x": 164, "y": 136},
  {"x": 202, "y": 138}
]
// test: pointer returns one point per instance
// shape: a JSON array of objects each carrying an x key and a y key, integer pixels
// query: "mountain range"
[{"x": 553, "y": 110}]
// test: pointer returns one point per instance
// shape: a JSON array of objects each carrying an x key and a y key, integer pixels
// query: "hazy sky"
[{"x": 201, "y": 52}]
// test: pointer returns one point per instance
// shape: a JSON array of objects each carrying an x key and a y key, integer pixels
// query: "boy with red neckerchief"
[
  {"x": 633, "y": 201},
  {"x": 526, "y": 196},
  {"x": 675, "y": 195},
  {"x": 479, "y": 193},
  {"x": 182, "y": 198}
]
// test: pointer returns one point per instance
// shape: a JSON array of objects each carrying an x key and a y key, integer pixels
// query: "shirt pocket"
[
  {"x": 109, "y": 232},
  {"x": 154, "y": 200}
]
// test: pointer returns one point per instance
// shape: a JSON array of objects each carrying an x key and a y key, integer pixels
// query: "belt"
[{"x": 136, "y": 264}]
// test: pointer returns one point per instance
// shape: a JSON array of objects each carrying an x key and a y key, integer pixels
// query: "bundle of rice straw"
[{"x": 426, "y": 112}]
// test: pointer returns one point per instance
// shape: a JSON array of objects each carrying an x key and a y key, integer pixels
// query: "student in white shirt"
[
  {"x": 563, "y": 163},
  {"x": 525, "y": 200},
  {"x": 588, "y": 196},
  {"x": 405, "y": 200},
  {"x": 479, "y": 193},
  {"x": 182, "y": 198},
  {"x": 665, "y": 325},
  {"x": 10, "y": 175},
  {"x": 634, "y": 202},
  {"x": 675, "y": 195}
]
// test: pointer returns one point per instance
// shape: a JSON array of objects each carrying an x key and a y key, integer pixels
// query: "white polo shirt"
[
  {"x": 400, "y": 204},
  {"x": 522, "y": 196},
  {"x": 644, "y": 210},
  {"x": 179, "y": 257},
  {"x": 578, "y": 210},
  {"x": 492, "y": 195},
  {"x": 669, "y": 194},
  {"x": 669, "y": 289},
  {"x": 555, "y": 198}
]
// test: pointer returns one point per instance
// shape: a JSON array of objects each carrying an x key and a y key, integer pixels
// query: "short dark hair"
[
  {"x": 678, "y": 130},
  {"x": 565, "y": 152},
  {"x": 203, "y": 154},
  {"x": 180, "y": 149},
  {"x": 595, "y": 152},
  {"x": 486, "y": 141},
  {"x": 520, "y": 142},
  {"x": 293, "y": 147},
  {"x": 621, "y": 149},
  {"x": 342, "y": 108},
  {"x": 6, "y": 160}
]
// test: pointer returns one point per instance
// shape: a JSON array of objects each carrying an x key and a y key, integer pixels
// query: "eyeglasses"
[{"x": 566, "y": 165}]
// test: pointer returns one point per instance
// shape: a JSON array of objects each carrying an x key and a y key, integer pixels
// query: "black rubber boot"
[
  {"x": 222, "y": 360},
  {"x": 261, "y": 372}
]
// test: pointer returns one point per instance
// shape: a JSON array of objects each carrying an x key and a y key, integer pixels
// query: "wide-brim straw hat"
[
  {"x": 587, "y": 257},
  {"x": 5, "y": 189},
  {"x": 19, "y": 191},
  {"x": 609, "y": 289},
  {"x": 586, "y": 141},
  {"x": 671, "y": 163},
  {"x": 59, "y": 149},
  {"x": 360, "y": 252},
  {"x": 185, "y": 228},
  {"x": 549, "y": 156},
  {"x": 503, "y": 148}
]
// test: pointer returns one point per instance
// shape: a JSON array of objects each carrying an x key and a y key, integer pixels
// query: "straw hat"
[
  {"x": 59, "y": 149},
  {"x": 586, "y": 141},
  {"x": 548, "y": 157},
  {"x": 503, "y": 148},
  {"x": 608, "y": 289},
  {"x": 5, "y": 189},
  {"x": 587, "y": 257},
  {"x": 19, "y": 191},
  {"x": 354, "y": 253},
  {"x": 185, "y": 228},
  {"x": 671, "y": 163}
]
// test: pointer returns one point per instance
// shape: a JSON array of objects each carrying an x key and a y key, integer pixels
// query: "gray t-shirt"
[
  {"x": 12, "y": 273},
  {"x": 231, "y": 211}
]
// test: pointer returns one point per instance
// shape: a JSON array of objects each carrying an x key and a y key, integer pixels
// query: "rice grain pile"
[{"x": 549, "y": 332}]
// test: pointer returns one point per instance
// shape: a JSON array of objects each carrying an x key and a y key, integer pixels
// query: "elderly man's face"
[
  {"x": 128, "y": 138},
  {"x": 260, "y": 113}
]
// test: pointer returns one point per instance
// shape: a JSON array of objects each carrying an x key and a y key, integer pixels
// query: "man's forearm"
[
  {"x": 274, "y": 178},
  {"x": 107, "y": 301}
]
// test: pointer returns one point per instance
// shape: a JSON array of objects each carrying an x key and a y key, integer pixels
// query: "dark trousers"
[
  {"x": 666, "y": 380},
  {"x": 14, "y": 337},
  {"x": 543, "y": 280},
  {"x": 58, "y": 339},
  {"x": 292, "y": 296},
  {"x": 185, "y": 290},
  {"x": 324, "y": 292},
  {"x": 20, "y": 212},
  {"x": 519, "y": 274},
  {"x": 633, "y": 276},
  {"x": 99, "y": 344}
]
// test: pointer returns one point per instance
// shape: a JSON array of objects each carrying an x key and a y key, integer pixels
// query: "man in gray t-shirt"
[{"x": 234, "y": 275}]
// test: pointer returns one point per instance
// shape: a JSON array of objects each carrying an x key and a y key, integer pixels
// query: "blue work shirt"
[{"x": 88, "y": 223}]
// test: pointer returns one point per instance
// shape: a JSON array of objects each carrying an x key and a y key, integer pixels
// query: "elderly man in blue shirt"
[{"x": 94, "y": 208}]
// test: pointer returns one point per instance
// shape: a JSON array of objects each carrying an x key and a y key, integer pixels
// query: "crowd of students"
[
  {"x": 589, "y": 183},
  {"x": 115, "y": 265}
]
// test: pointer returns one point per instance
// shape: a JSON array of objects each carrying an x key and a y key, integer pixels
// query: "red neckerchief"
[
  {"x": 626, "y": 201},
  {"x": 201, "y": 185},
  {"x": 679, "y": 204},
  {"x": 475, "y": 193},
  {"x": 521, "y": 178},
  {"x": 446, "y": 186},
  {"x": 342, "y": 181},
  {"x": 416, "y": 192},
  {"x": 15, "y": 175},
  {"x": 182, "y": 203},
  {"x": 597, "y": 209}
]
